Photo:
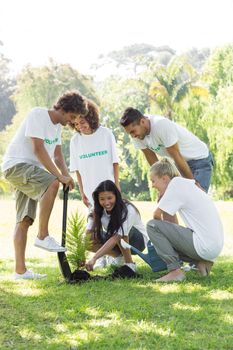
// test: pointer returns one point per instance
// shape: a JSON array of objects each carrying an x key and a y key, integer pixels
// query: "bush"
[{"x": 77, "y": 242}]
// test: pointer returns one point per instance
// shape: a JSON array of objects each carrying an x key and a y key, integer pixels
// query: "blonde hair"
[{"x": 165, "y": 167}]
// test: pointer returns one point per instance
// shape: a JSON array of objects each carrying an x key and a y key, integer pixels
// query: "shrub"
[{"x": 77, "y": 242}]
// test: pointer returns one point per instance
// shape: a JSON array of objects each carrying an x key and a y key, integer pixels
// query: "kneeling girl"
[{"x": 114, "y": 218}]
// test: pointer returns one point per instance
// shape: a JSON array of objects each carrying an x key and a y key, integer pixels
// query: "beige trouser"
[
  {"x": 30, "y": 183},
  {"x": 173, "y": 243}
]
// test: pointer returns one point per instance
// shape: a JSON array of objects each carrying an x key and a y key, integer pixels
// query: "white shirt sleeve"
[
  {"x": 59, "y": 136},
  {"x": 139, "y": 144},
  {"x": 130, "y": 220},
  {"x": 74, "y": 164},
  {"x": 35, "y": 126},
  {"x": 171, "y": 201},
  {"x": 166, "y": 131},
  {"x": 90, "y": 222}
]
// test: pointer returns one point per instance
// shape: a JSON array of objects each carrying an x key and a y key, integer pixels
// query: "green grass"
[{"x": 122, "y": 314}]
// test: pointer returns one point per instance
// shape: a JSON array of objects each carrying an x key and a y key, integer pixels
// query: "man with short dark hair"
[
  {"x": 28, "y": 166},
  {"x": 155, "y": 134}
]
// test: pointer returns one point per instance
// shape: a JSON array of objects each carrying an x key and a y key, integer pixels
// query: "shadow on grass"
[{"x": 119, "y": 314}]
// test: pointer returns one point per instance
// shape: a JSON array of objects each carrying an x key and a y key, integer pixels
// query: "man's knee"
[
  {"x": 152, "y": 227},
  {"x": 26, "y": 222},
  {"x": 54, "y": 186}
]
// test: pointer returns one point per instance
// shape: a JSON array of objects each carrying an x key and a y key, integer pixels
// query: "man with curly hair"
[{"x": 34, "y": 165}]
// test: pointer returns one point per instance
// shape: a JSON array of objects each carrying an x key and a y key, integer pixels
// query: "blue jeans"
[{"x": 202, "y": 170}]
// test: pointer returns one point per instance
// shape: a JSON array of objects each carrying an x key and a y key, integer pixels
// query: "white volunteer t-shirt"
[
  {"x": 165, "y": 133},
  {"x": 37, "y": 124},
  {"x": 93, "y": 156},
  {"x": 198, "y": 213},
  {"x": 133, "y": 220}
]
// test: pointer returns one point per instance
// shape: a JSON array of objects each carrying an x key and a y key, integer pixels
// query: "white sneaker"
[
  {"x": 49, "y": 243},
  {"x": 188, "y": 268},
  {"x": 132, "y": 266},
  {"x": 117, "y": 261},
  {"x": 28, "y": 275},
  {"x": 100, "y": 263}
]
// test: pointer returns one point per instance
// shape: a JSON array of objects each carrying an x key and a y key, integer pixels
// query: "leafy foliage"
[
  {"x": 116, "y": 94},
  {"x": 218, "y": 71},
  {"x": 172, "y": 83},
  {"x": 77, "y": 242},
  {"x": 218, "y": 120},
  {"x": 7, "y": 86},
  {"x": 194, "y": 89},
  {"x": 41, "y": 86}
]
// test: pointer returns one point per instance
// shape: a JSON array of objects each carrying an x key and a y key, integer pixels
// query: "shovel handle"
[{"x": 64, "y": 218}]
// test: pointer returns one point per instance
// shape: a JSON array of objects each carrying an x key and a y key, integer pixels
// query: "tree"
[
  {"x": 116, "y": 94},
  {"x": 134, "y": 58},
  {"x": 171, "y": 84},
  {"x": 218, "y": 121},
  {"x": 42, "y": 86},
  {"x": 7, "y": 86},
  {"x": 138, "y": 55},
  {"x": 198, "y": 58},
  {"x": 218, "y": 70}
]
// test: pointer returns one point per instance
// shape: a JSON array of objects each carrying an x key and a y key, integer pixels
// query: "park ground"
[{"x": 122, "y": 314}]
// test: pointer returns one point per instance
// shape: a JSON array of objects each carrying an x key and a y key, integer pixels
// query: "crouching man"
[{"x": 201, "y": 241}]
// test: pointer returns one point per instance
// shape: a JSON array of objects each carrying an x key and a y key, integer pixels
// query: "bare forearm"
[
  {"x": 116, "y": 174},
  {"x": 180, "y": 162},
  {"x": 46, "y": 161},
  {"x": 184, "y": 169},
  {"x": 111, "y": 242},
  {"x": 80, "y": 184},
  {"x": 150, "y": 156},
  {"x": 60, "y": 163}
]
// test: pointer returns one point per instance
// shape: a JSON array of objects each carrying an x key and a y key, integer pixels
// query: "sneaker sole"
[
  {"x": 29, "y": 279},
  {"x": 51, "y": 250}
]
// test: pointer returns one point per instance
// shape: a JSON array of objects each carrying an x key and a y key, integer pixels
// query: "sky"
[{"x": 78, "y": 31}]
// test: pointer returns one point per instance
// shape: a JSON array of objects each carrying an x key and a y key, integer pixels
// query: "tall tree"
[
  {"x": 218, "y": 71},
  {"x": 116, "y": 94},
  {"x": 7, "y": 86},
  {"x": 41, "y": 86},
  {"x": 198, "y": 57},
  {"x": 172, "y": 83},
  {"x": 135, "y": 58}
]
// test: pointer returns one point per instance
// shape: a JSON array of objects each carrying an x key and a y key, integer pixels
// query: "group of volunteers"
[{"x": 35, "y": 166}]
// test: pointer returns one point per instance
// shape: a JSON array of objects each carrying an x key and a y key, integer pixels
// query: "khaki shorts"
[{"x": 30, "y": 183}]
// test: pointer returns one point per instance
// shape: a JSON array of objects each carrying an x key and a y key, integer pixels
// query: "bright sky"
[{"x": 77, "y": 31}]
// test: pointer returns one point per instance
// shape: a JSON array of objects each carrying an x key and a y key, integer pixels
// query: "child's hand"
[
  {"x": 90, "y": 264},
  {"x": 85, "y": 200}
]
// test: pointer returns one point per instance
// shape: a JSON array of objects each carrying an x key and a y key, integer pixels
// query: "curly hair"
[
  {"x": 72, "y": 101},
  {"x": 91, "y": 117}
]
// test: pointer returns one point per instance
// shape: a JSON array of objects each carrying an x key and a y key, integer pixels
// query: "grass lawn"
[{"x": 134, "y": 314}]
